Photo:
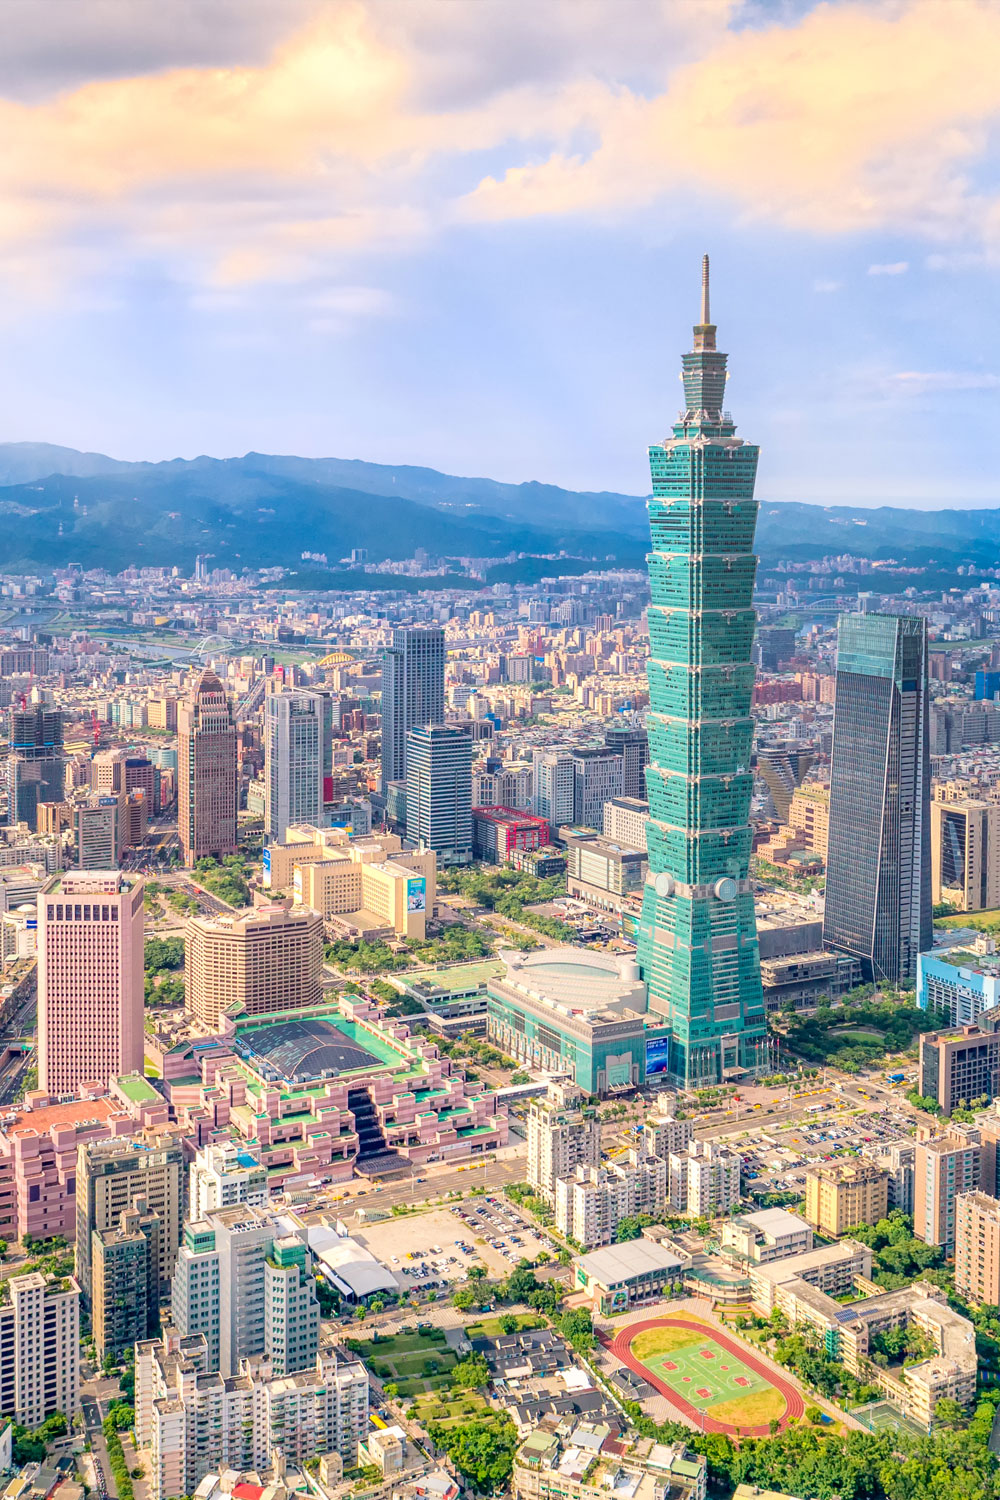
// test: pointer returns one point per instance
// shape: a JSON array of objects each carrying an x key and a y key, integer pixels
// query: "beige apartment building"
[
  {"x": 111, "y": 1176},
  {"x": 977, "y": 1247},
  {"x": 842, "y": 1193},
  {"x": 264, "y": 960},
  {"x": 90, "y": 979},
  {"x": 943, "y": 1168}
]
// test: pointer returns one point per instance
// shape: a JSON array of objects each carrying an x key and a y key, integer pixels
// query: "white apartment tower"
[
  {"x": 90, "y": 979},
  {"x": 40, "y": 1348},
  {"x": 562, "y": 1135},
  {"x": 222, "y": 1175}
]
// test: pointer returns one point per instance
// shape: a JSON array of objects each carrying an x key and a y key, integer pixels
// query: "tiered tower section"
[{"x": 697, "y": 943}]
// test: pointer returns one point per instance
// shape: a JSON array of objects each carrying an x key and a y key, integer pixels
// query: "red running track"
[{"x": 621, "y": 1347}]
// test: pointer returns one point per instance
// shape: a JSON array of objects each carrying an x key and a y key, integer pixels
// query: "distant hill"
[{"x": 58, "y": 505}]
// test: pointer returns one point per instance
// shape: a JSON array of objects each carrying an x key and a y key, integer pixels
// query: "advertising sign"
[
  {"x": 267, "y": 867},
  {"x": 416, "y": 893},
  {"x": 657, "y": 1055}
]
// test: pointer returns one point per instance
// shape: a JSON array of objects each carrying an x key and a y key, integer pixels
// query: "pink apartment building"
[
  {"x": 38, "y": 1151},
  {"x": 90, "y": 979}
]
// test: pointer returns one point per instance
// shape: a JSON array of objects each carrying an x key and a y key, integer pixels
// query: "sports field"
[{"x": 707, "y": 1375}]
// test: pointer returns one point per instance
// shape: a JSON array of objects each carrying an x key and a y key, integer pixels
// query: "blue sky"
[{"x": 467, "y": 233}]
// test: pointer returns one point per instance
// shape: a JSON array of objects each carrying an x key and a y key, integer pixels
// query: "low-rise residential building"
[{"x": 587, "y": 1463}]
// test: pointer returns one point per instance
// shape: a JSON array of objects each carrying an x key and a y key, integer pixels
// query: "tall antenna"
[{"x": 706, "y": 316}]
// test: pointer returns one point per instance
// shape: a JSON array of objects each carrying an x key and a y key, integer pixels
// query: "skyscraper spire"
[
  {"x": 706, "y": 316},
  {"x": 704, "y": 332}
]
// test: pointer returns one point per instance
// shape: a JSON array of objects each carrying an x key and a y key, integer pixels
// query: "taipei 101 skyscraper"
[{"x": 697, "y": 942}]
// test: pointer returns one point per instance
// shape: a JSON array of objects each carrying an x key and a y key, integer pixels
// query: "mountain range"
[{"x": 59, "y": 505}]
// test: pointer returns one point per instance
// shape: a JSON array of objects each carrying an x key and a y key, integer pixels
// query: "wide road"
[{"x": 493, "y": 1175}]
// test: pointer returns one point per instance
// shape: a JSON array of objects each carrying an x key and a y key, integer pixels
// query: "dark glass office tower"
[
  {"x": 36, "y": 767},
  {"x": 878, "y": 882},
  {"x": 697, "y": 939},
  {"x": 412, "y": 693}
]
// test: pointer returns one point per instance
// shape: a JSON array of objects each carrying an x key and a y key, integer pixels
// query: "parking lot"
[{"x": 433, "y": 1251}]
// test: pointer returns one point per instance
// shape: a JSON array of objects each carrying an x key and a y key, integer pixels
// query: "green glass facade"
[{"x": 697, "y": 938}]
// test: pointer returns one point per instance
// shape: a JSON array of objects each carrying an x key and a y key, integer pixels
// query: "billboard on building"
[
  {"x": 657, "y": 1055},
  {"x": 267, "y": 867},
  {"x": 416, "y": 893}
]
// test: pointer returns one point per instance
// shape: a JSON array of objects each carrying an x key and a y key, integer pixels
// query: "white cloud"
[
  {"x": 923, "y": 382},
  {"x": 827, "y": 286},
  {"x": 894, "y": 268}
]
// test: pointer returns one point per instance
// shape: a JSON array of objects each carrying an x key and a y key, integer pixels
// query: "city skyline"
[{"x": 401, "y": 195}]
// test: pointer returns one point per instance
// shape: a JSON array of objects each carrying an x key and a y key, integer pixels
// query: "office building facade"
[
  {"x": 697, "y": 942},
  {"x": 412, "y": 693},
  {"x": 125, "y": 1285},
  {"x": 631, "y": 742},
  {"x": 293, "y": 762},
  {"x": 91, "y": 983},
  {"x": 37, "y": 762},
  {"x": 264, "y": 960},
  {"x": 878, "y": 888},
  {"x": 965, "y": 853},
  {"x": 554, "y": 787},
  {"x": 597, "y": 779},
  {"x": 959, "y": 1068},
  {"x": 207, "y": 785},
  {"x": 439, "y": 792}
]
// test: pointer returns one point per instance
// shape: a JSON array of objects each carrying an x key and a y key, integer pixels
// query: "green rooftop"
[{"x": 137, "y": 1090}]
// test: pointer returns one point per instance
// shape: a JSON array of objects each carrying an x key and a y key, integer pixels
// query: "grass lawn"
[
  {"x": 750, "y": 1411},
  {"x": 450, "y": 1412},
  {"x": 983, "y": 920},
  {"x": 661, "y": 1341},
  {"x": 489, "y": 1328},
  {"x": 416, "y": 1364}
]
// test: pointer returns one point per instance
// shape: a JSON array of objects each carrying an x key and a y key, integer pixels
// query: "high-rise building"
[
  {"x": 36, "y": 765},
  {"x": 878, "y": 888},
  {"x": 125, "y": 1285},
  {"x": 944, "y": 1167},
  {"x": 97, "y": 830},
  {"x": 631, "y": 742},
  {"x": 840, "y": 1194},
  {"x": 965, "y": 852},
  {"x": 663, "y": 1135},
  {"x": 222, "y": 1175},
  {"x": 189, "y": 1423},
  {"x": 960, "y": 1067},
  {"x": 439, "y": 791},
  {"x": 265, "y": 959},
  {"x": 40, "y": 1348},
  {"x": 248, "y": 1287},
  {"x": 697, "y": 939},
  {"x": 709, "y": 1179},
  {"x": 293, "y": 761},
  {"x": 412, "y": 693},
  {"x": 110, "y": 1176},
  {"x": 91, "y": 985},
  {"x": 562, "y": 1135},
  {"x": 977, "y": 1247},
  {"x": 597, "y": 779},
  {"x": 207, "y": 787},
  {"x": 554, "y": 787}
]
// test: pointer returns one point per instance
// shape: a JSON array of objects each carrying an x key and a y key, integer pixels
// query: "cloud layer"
[{"x": 229, "y": 150}]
